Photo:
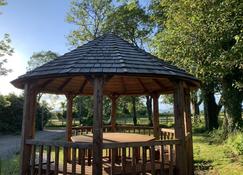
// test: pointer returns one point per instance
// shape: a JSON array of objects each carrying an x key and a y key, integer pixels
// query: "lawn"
[{"x": 215, "y": 159}]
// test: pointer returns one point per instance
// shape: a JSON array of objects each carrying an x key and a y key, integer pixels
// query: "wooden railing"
[
  {"x": 166, "y": 133},
  {"x": 53, "y": 157},
  {"x": 80, "y": 130}
]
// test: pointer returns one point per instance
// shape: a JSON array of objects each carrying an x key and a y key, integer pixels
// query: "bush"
[
  {"x": 217, "y": 136},
  {"x": 235, "y": 143},
  {"x": 11, "y": 112}
]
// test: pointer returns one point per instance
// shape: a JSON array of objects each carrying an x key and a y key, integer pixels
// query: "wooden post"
[
  {"x": 189, "y": 130},
  {"x": 98, "y": 83},
  {"x": 69, "y": 118},
  {"x": 113, "y": 112},
  {"x": 28, "y": 128},
  {"x": 179, "y": 106},
  {"x": 156, "y": 115}
]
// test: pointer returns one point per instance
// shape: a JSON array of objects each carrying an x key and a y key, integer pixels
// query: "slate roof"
[{"x": 108, "y": 54}]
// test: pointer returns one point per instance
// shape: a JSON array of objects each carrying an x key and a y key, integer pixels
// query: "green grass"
[
  {"x": 215, "y": 159},
  {"x": 10, "y": 166}
]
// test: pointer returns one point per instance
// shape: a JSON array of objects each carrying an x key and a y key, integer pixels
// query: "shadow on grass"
[
  {"x": 201, "y": 138},
  {"x": 202, "y": 165}
]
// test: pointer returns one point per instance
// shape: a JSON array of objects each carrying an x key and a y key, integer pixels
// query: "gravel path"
[{"x": 10, "y": 144}]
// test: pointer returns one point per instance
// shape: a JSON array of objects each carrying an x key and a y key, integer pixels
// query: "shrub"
[
  {"x": 217, "y": 136},
  {"x": 235, "y": 143}
]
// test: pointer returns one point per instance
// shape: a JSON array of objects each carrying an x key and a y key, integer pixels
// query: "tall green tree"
[
  {"x": 89, "y": 17},
  {"x": 131, "y": 22},
  {"x": 5, "y": 49},
  {"x": 200, "y": 37},
  {"x": 40, "y": 58}
]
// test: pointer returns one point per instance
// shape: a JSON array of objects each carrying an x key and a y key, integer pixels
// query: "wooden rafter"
[
  {"x": 83, "y": 85},
  {"x": 64, "y": 84},
  {"x": 46, "y": 83},
  {"x": 159, "y": 83},
  {"x": 123, "y": 85},
  {"x": 143, "y": 85}
]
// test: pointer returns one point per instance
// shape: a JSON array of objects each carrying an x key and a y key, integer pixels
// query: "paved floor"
[{"x": 10, "y": 144}]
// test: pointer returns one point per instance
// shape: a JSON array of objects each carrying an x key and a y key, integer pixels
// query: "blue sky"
[
  {"x": 33, "y": 26},
  {"x": 36, "y": 25}
]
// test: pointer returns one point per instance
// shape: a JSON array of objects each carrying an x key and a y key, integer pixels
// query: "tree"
[
  {"x": 43, "y": 114},
  {"x": 131, "y": 22},
  {"x": 5, "y": 49},
  {"x": 83, "y": 106},
  {"x": 40, "y": 58},
  {"x": 11, "y": 110},
  {"x": 89, "y": 17},
  {"x": 197, "y": 35}
]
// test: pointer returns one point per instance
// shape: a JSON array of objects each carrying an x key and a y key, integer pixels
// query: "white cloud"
[{"x": 17, "y": 63}]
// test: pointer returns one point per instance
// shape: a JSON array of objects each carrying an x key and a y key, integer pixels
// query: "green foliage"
[
  {"x": 40, "y": 58},
  {"x": 43, "y": 114},
  {"x": 82, "y": 107},
  {"x": 5, "y": 49},
  {"x": 205, "y": 38},
  {"x": 131, "y": 22},
  {"x": 89, "y": 17},
  {"x": 125, "y": 106},
  {"x": 217, "y": 136},
  {"x": 234, "y": 143},
  {"x": 11, "y": 112},
  {"x": 87, "y": 121}
]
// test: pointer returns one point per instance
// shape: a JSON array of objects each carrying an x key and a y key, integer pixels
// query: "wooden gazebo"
[{"x": 113, "y": 67}]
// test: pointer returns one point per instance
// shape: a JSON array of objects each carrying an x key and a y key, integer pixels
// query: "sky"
[{"x": 35, "y": 26}]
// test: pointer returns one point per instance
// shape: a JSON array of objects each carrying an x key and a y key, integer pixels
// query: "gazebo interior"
[{"x": 109, "y": 66}]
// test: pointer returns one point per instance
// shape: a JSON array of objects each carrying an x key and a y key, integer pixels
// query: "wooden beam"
[
  {"x": 123, "y": 85},
  {"x": 28, "y": 128},
  {"x": 146, "y": 90},
  {"x": 179, "y": 107},
  {"x": 188, "y": 123},
  {"x": 82, "y": 86},
  {"x": 64, "y": 84},
  {"x": 46, "y": 83},
  {"x": 69, "y": 119},
  {"x": 98, "y": 82},
  {"x": 156, "y": 115},
  {"x": 159, "y": 84}
]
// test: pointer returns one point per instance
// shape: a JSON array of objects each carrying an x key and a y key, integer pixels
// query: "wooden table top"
[{"x": 114, "y": 137}]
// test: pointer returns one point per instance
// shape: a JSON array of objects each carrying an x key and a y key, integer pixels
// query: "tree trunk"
[
  {"x": 42, "y": 118},
  {"x": 232, "y": 104},
  {"x": 210, "y": 107},
  {"x": 195, "y": 106},
  {"x": 149, "y": 109},
  {"x": 80, "y": 111},
  {"x": 134, "y": 111}
]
